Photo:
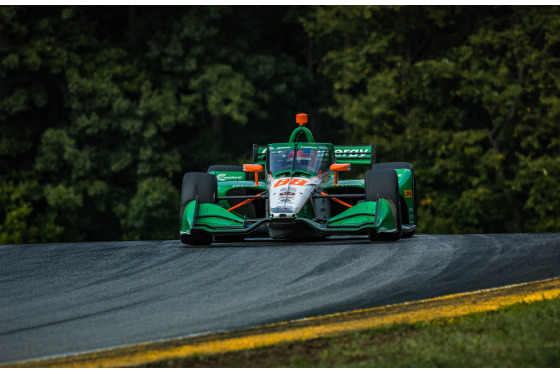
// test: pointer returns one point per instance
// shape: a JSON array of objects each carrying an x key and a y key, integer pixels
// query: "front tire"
[
  {"x": 205, "y": 186},
  {"x": 384, "y": 183},
  {"x": 196, "y": 239},
  {"x": 229, "y": 238}
]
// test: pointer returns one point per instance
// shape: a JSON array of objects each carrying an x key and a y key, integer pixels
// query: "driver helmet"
[
  {"x": 305, "y": 159},
  {"x": 302, "y": 154}
]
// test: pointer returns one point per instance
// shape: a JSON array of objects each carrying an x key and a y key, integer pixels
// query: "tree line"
[{"x": 104, "y": 108}]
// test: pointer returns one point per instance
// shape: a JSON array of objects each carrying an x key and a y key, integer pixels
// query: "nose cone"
[{"x": 287, "y": 198}]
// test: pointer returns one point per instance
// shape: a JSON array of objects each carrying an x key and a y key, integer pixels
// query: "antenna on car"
[{"x": 301, "y": 120}]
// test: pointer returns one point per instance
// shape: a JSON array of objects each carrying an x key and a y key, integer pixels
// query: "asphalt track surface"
[{"x": 63, "y": 299}]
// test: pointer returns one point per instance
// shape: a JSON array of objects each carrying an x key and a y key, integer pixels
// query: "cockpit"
[{"x": 312, "y": 159}]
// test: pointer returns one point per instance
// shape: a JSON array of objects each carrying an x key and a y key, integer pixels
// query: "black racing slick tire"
[
  {"x": 392, "y": 165},
  {"x": 384, "y": 183},
  {"x": 404, "y": 212},
  {"x": 229, "y": 238},
  {"x": 205, "y": 187},
  {"x": 197, "y": 238}
]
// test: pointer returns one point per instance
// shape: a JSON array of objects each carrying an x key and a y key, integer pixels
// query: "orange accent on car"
[
  {"x": 282, "y": 182},
  {"x": 298, "y": 182},
  {"x": 242, "y": 203},
  {"x": 338, "y": 201},
  {"x": 295, "y": 182},
  {"x": 248, "y": 168},
  {"x": 340, "y": 167},
  {"x": 301, "y": 119}
]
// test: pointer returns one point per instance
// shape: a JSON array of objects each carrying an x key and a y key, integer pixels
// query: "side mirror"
[
  {"x": 339, "y": 167},
  {"x": 253, "y": 168}
]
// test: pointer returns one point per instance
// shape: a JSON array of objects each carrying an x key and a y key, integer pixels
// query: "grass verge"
[{"x": 521, "y": 335}]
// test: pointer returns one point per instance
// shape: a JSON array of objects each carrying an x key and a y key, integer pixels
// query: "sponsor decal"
[
  {"x": 407, "y": 193},
  {"x": 225, "y": 177},
  {"x": 314, "y": 147},
  {"x": 354, "y": 152}
]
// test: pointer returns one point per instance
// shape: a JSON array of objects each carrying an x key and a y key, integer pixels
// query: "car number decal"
[{"x": 295, "y": 182}]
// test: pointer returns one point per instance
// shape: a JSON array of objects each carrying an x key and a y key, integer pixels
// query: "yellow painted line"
[{"x": 440, "y": 307}]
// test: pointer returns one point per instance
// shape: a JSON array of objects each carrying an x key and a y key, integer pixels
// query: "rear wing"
[
  {"x": 259, "y": 154},
  {"x": 355, "y": 155}
]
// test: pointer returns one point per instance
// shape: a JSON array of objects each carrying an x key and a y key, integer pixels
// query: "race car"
[{"x": 302, "y": 195}]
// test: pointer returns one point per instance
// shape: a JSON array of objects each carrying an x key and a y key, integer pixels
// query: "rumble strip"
[{"x": 310, "y": 328}]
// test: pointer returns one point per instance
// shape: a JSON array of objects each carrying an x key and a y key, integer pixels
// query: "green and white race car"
[{"x": 302, "y": 196}]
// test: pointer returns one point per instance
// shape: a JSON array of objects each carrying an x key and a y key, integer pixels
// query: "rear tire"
[
  {"x": 404, "y": 212},
  {"x": 205, "y": 187},
  {"x": 392, "y": 165},
  {"x": 384, "y": 182}
]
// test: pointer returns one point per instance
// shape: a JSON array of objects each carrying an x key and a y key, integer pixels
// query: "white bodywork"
[{"x": 287, "y": 195}]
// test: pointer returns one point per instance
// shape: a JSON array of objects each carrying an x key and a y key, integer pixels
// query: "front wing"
[{"x": 365, "y": 216}]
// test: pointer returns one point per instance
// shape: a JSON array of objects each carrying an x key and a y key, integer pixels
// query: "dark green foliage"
[
  {"x": 104, "y": 108},
  {"x": 468, "y": 95}
]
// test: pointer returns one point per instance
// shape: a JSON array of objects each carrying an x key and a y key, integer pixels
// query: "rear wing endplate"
[
  {"x": 259, "y": 154},
  {"x": 355, "y": 155}
]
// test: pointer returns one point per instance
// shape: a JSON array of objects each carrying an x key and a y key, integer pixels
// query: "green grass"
[{"x": 522, "y": 335}]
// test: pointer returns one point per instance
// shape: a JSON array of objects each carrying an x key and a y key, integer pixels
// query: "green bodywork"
[
  {"x": 214, "y": 219},
  {"x": 405, "y": 191},
  {"x": 363, "y": 216}
]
